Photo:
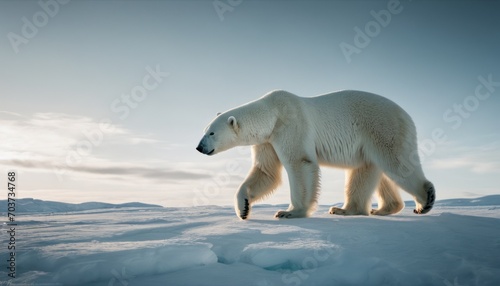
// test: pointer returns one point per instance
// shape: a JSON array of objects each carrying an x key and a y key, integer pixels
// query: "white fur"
[{"x": 369, "y": 135}]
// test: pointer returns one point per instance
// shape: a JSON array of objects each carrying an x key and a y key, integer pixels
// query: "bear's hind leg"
[
  {"x": 360, "y": 185},
  {"x": 389, "y": 199},
  {"x": 413, "y": 181}
]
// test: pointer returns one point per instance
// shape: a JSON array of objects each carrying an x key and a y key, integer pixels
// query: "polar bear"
[{"x": 367, "y": 134}]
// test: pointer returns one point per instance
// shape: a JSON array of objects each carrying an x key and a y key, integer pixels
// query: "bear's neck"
[{"x": 257, "y": 121}]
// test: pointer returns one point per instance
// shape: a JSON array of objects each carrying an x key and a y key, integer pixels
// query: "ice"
[{"x": 458, "y": 243}]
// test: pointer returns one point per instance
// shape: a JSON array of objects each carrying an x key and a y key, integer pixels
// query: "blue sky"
[{"x": 184, "y": 61}]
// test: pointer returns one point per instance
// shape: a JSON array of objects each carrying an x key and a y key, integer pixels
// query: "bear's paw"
[{"x": 290, "y": 214}]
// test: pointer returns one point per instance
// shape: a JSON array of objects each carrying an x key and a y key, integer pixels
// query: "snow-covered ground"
[{"x": 458, "y": 243}]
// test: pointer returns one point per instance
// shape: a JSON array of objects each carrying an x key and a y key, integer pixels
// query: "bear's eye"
[{"x": 211, "y": 133}]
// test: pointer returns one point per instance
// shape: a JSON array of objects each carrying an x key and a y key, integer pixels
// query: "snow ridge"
[{"x": 453, "y": 245}]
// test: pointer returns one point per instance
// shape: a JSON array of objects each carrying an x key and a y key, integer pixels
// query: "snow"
[{"x": 458, "y": 243}]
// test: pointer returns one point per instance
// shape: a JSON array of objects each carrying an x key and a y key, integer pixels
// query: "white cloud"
[
  {"x": 45, "y": 135},
  {"x": 483, "y": 159},
  {"x": 58, "y": 143}
]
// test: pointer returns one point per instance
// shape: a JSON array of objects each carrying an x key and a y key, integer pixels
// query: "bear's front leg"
[
  {"x": 304, "y": 184},
  {"x": 263, "y": 179},
  {"x": 360, "y": 185}
]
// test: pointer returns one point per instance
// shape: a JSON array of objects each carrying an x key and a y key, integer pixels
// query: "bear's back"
[
  {"x": 345, "y": 121},
  {"x": 357, "y": 107}
]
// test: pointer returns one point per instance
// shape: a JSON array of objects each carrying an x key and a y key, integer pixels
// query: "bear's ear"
[
  {"x": 218, "y": 113},
  {"x": 232, "y": 121}
]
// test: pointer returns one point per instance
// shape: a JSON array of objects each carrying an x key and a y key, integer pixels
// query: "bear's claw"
[
  {"x": 245, "y": 211},
  {"x": 290, "y": 214},
  {"x": 337, "y": 211},
  {"x": 282, "y": 214}
]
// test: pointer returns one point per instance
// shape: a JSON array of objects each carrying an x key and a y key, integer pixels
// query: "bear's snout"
[{"x": 202, "y": 149}]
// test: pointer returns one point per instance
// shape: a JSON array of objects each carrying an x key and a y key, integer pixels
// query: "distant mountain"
[
  {"x": 492, "y": 200},
  {"x": 38, "y": 206}
]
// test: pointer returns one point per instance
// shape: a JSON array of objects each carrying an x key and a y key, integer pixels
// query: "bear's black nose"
[{"x": 199, "y": 148}]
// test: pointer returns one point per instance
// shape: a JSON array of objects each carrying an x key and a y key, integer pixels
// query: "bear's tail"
[{"x": 431, "y": 197}]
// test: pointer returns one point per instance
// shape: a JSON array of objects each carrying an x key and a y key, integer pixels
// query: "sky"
[{"x": 107, "y": 100}]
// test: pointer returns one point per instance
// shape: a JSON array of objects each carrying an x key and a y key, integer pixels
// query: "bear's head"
[{"x": 220, "y": 135}]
